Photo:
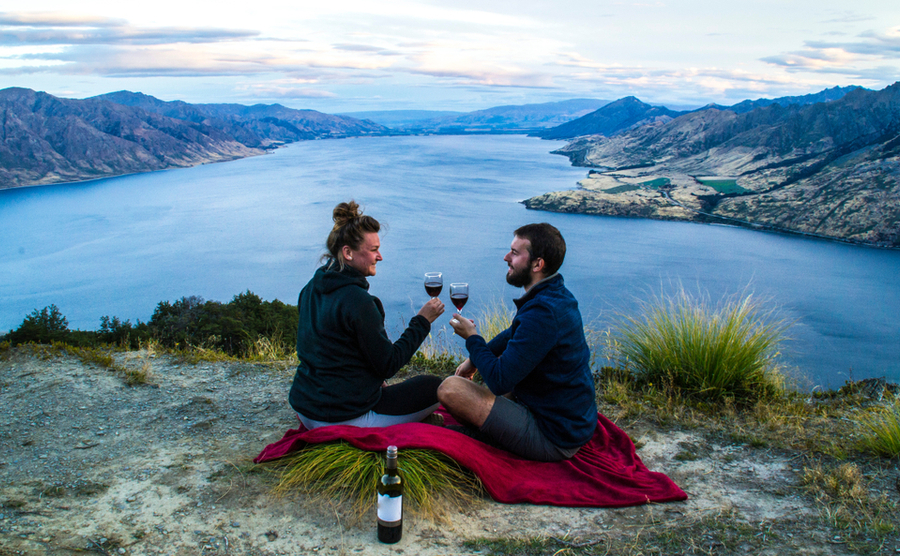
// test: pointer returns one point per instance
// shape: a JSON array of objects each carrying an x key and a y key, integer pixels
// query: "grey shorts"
[{"x": 511, "y": 426}]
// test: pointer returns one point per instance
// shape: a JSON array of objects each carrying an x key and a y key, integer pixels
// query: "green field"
[
  {"x": 621, "y": 189},
  {"x": 657, "y": 183},
  {"x": 724, "y": 186}
]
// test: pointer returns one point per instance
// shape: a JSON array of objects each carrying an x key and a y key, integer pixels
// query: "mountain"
[
  {"x": 258, "y": 125},
  {"x": 52, "y": 140},
  {"x": 402, "y": 118},
  {"x": 510, "y": 119},
  {"x": 625, "y": 113},
  {"x": 829, "y": 169},
  {"x": 629, "y": 112},
  {"x": 826, "y": 95}
]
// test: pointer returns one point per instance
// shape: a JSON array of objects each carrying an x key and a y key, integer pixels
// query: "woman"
[{"x": 345, "y": 354}]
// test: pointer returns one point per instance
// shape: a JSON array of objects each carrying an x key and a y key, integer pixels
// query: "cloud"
[
  {"x": 286, "y": 91},
  {"x": 18, "y": 29},
  {"x": 490, "y": 77},
  {"x": 850, "y": 17},
  {"x": 853, "y": 58},
  {"x": 56, "y": 19},
  {"x": 366, "y": 48},
  {"x": 884, "y": 45}
]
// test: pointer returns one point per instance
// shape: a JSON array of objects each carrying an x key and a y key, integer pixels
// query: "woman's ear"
[{"x": 347, "y": 253}]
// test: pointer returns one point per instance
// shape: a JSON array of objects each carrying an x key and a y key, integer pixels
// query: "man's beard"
[{"x": 519, "y": 278}]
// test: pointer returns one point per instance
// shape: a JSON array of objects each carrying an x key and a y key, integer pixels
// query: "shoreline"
[
  {"x": 711, "y": 219},
  {"x": 89, "y": 180}
]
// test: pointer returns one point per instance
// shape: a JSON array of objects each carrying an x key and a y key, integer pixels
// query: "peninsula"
[{"x": 827, "y": 169}]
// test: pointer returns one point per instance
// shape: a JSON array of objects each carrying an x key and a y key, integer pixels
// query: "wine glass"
[
  {"x": 434, "y": 283},
  {"x": 459, "y": 294}
]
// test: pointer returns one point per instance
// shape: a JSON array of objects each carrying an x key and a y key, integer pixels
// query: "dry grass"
[
  {"x": 434, "y": 485},
  {"x": 881, "y": 430},
  {"x": 100, "y": 357},
  {"x": 846, "y": 501},
  {"x": 684, "y": 344},
  {"x": 273, "y": 352}
]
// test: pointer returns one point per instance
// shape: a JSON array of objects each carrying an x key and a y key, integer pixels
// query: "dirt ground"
[{"x": 90, "y": 465}]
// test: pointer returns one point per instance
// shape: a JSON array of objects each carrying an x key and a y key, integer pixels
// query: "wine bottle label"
[{"x": 390, "y": 508}]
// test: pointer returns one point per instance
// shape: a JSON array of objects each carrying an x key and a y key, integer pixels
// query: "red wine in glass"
[
  {"x": 434, "y": 283},
  {"x": 459, "y": 294}
]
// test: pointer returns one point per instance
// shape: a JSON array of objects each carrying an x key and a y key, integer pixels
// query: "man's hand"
[
  {"x": 463, "y": 326},
  {"x": 432, "y": 309},
  {"x": 466, "y": 369}
]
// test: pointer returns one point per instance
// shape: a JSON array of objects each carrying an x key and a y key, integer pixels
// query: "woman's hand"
[
  {"x": 463, "y": 326},
  {"x": 432, "y": 310}
]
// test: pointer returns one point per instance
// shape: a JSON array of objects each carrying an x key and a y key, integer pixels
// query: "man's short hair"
[{"x": 546, "y": 243}]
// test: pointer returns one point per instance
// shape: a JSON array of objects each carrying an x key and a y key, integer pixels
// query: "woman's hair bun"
[{"x": 345, "y": 213}]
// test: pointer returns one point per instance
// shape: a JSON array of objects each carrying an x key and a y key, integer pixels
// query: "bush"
[
  {"x": 42, "y": 327},
  {"x": 687, "y": 347},
  {"x": 232, "y": 327},
  {"x": 881, "y": 431}
]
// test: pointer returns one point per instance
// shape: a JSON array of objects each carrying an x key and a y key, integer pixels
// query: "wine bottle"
[{"x": 390, "y": 500}]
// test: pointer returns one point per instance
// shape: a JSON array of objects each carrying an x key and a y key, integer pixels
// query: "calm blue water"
[{"x": 119, "y": 246}]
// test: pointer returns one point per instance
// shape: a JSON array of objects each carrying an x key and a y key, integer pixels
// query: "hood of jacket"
[{"x": 330, "y": 278}]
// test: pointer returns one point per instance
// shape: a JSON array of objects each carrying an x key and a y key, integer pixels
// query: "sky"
[{"x": 341, "y": 56}]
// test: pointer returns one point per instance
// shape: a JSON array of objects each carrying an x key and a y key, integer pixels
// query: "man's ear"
[{"x": 537, "y": 265}]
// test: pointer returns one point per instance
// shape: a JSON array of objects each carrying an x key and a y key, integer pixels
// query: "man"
[{"x": 539, "y": 402}]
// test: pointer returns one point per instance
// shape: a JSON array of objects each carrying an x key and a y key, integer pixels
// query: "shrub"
[
  {"x": 43, "y": 327},
  {"x": 685, "y": 346},
  {"x": 233, "y": 327},
  {"x": 881, "y": 431}
]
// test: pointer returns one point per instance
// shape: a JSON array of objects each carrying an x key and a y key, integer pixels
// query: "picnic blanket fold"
[{"x": 606, "y": 472}]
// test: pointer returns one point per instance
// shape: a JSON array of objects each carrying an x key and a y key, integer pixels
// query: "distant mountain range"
[
  {"x": 522, "y": 118},
  {"x": 629, "y": 113},
  {"x": 403, "y": 119},
  {"x": 829, "y": 169},
  {"x": 51, "y": 140}
]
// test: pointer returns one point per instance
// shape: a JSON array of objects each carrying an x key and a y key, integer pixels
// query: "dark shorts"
[{"x": 511, "y": 426}]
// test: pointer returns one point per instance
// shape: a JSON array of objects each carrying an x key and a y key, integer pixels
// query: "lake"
[{"x": 119, "y": 246}]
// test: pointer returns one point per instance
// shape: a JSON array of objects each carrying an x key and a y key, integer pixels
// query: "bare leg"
[{"x": 469, "y": 403}]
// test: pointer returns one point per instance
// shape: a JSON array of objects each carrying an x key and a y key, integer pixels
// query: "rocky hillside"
[
  {"x": 257, "y": 125},
  {"x": 828, "y": 169},
  {"x": 623, "y": 114},
  {"x": 47, "y": 140}
]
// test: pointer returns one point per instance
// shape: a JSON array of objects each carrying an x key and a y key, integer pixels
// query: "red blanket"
[{"x": 606, "y": 472}]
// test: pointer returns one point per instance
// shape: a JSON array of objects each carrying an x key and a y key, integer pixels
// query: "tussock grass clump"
[
  {"x": 438, "y": 355},
  {"x": 271, "y": 351},
  {"x": 434, "y": 485},
  {"x": 881, "y": 431},
  {"x": 494, "y": 319},
  {"x": 441, "y": 352},
  {"x": 684, "y": 344},
  {"x": 846, "y": 502}
]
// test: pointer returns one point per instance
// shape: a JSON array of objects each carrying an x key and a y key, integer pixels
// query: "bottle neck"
[{"x": 391, "y": 463}]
